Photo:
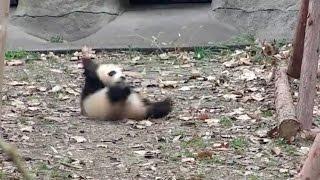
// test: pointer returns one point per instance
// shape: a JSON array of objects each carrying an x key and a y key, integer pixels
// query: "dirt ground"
[{"x": 217, "y": 130}]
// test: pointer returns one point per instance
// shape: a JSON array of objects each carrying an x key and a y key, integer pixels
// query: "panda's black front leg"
[{"x": 118, "y": 92}]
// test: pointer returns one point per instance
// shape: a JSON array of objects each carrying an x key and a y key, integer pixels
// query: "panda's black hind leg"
[{"x": 118, "y": 92}]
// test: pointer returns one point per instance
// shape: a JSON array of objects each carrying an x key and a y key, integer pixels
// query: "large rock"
[
  {"x": 69, "y": 20},
  {"x": 266, "y": 19}
]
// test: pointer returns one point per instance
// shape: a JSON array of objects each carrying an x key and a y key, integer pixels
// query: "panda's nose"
[{"x": 123, "y": 78}]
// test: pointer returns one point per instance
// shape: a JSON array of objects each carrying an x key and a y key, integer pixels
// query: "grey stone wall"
[
  {"x": 267, "y": 19},
  {"x": 69, "y": 19}
]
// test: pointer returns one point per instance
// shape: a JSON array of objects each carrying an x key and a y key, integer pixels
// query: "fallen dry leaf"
[
  {"x": 56, "y": 88},
  {"x": 212, "y": 122},
  {"x": 147, "y": 154},
  {"x": 145, "y": 123},
  {"x": 211, "y": 78},
  {"x": 79, "y": 139},
  {"x": 141, "y": 152},
  {"x": 204, "y": 155},
  {"x": 245, "y": 61},
  {"x": 169, "y": 84},
  {"x": 304, "y": 150},
  {"x": 33, "y": 108},
  {"x": 244, "y": 117},
  {"x": 229, "y": 97},
  {"x": 77, "y": 54},
  {"x": 164, "y": 56},
  {"x": 133, "y": 74},
  {"x": 231, "y": 64},
  {"x": 27, "y": 129},
  {"x": 15, "y": 63},
  {"x": 56, "y": 71},
  {"x": 17, "y": 83},
  {"x": 283, "y": 170},
  {"x": 185, "y": 88},
  {"x": 102, "y": 146},
  {"x": 176, "y": 139},
  {"x": 203, "y": 116},
  {"x": 25, "y": 138},
  {"x": 71, "y": 91},
  {"x": 185, "y": 118},
  {"x": 220, "y": 145},
  {"x": 190, "y": 160},
  {"x": 269, "y": 49},
  {"x": 238, "y": 111},
  {"x": 195, "y": 74},
  {"x": 137, "y": 58},
  {"x": 248, "y": 75},
  {"x": 276, "y": 151},
  {"x": 257, "y": 97}
]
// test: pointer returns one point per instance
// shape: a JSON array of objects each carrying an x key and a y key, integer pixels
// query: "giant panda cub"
[{"x": 107, "y": 96}]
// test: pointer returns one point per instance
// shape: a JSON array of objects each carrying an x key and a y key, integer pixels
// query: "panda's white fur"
[
  {"x": 99, "y": 106},
  {"x": 106, "y": 96}
]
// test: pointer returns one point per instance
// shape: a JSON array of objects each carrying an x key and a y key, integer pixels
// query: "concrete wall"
[
  {"x": 267, "y": 19},
  {"x": 68, "y": 19}
]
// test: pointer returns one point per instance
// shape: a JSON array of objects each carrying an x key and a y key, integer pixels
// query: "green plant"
[
  {"x": 23, "y": 120},
  {"x": 317, "y": 119},
  {"x": 202, "y": 53},
  {"x": 179, "y": 133},
  {"x": 289, "y": 149},
  {"x": 178, "y": 155},
  {"x": 267, "y": 113},
  {"x": 242, "y": 39},
  {"x": 226, "y": 121},
  {"x": 215, "y": 159},
  {"x": 239, "y": 143},
  {"x": 9, "y": 55},
  {"x": 197, "y": 142},
  {"x": 253, "y": 177},
  {"x": 20, "y": 54},
  {"x": 54, "y": 172},
  {"x": 281, "y": 42},
  {"x": 56, "y": 39},
  {"x": 2, "y": 175}
]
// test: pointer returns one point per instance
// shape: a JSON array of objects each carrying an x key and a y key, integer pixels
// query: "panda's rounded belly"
[{"x": 99, "y": 107}]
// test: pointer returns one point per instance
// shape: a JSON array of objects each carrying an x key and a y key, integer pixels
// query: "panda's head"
[{"x": 110, "y": 74}]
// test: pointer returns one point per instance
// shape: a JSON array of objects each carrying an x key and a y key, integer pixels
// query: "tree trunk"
[
  {"x": 288, "y": 123},
  {"x": 311, "y": 167},
  {"x": 4, "y": 14},
  {"x": 294, "y": 66},
  {"x": 307, "y": 88},
  {"x": 8, "y": 149}
]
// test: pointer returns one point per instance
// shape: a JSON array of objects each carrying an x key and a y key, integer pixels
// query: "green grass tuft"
[
  {"x": 287, "y": 148},
  {"x": 267, "y": 113},
  {"x": 196, "y": 142},
  {"x": 226, "y": 121},
  {"x": 201, "y": 53},
  {"x": 20, "y": 54},
  {"x": 239, "y": 143},
  {"x": 10, "y": 55},
  {"x": 56, "y": 39}
]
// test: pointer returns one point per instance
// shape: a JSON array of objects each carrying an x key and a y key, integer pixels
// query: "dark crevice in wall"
[{"x": 14, "y": 3}]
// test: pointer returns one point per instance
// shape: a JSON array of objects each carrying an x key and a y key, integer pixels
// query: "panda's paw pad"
[{"x": 119, "y": 93}]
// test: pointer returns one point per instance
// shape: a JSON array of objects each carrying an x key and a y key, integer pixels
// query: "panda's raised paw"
[{"x": 119, "y": 92}]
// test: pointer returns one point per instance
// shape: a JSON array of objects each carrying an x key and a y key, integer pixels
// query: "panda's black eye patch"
[{"x": 111, "y": 73}]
